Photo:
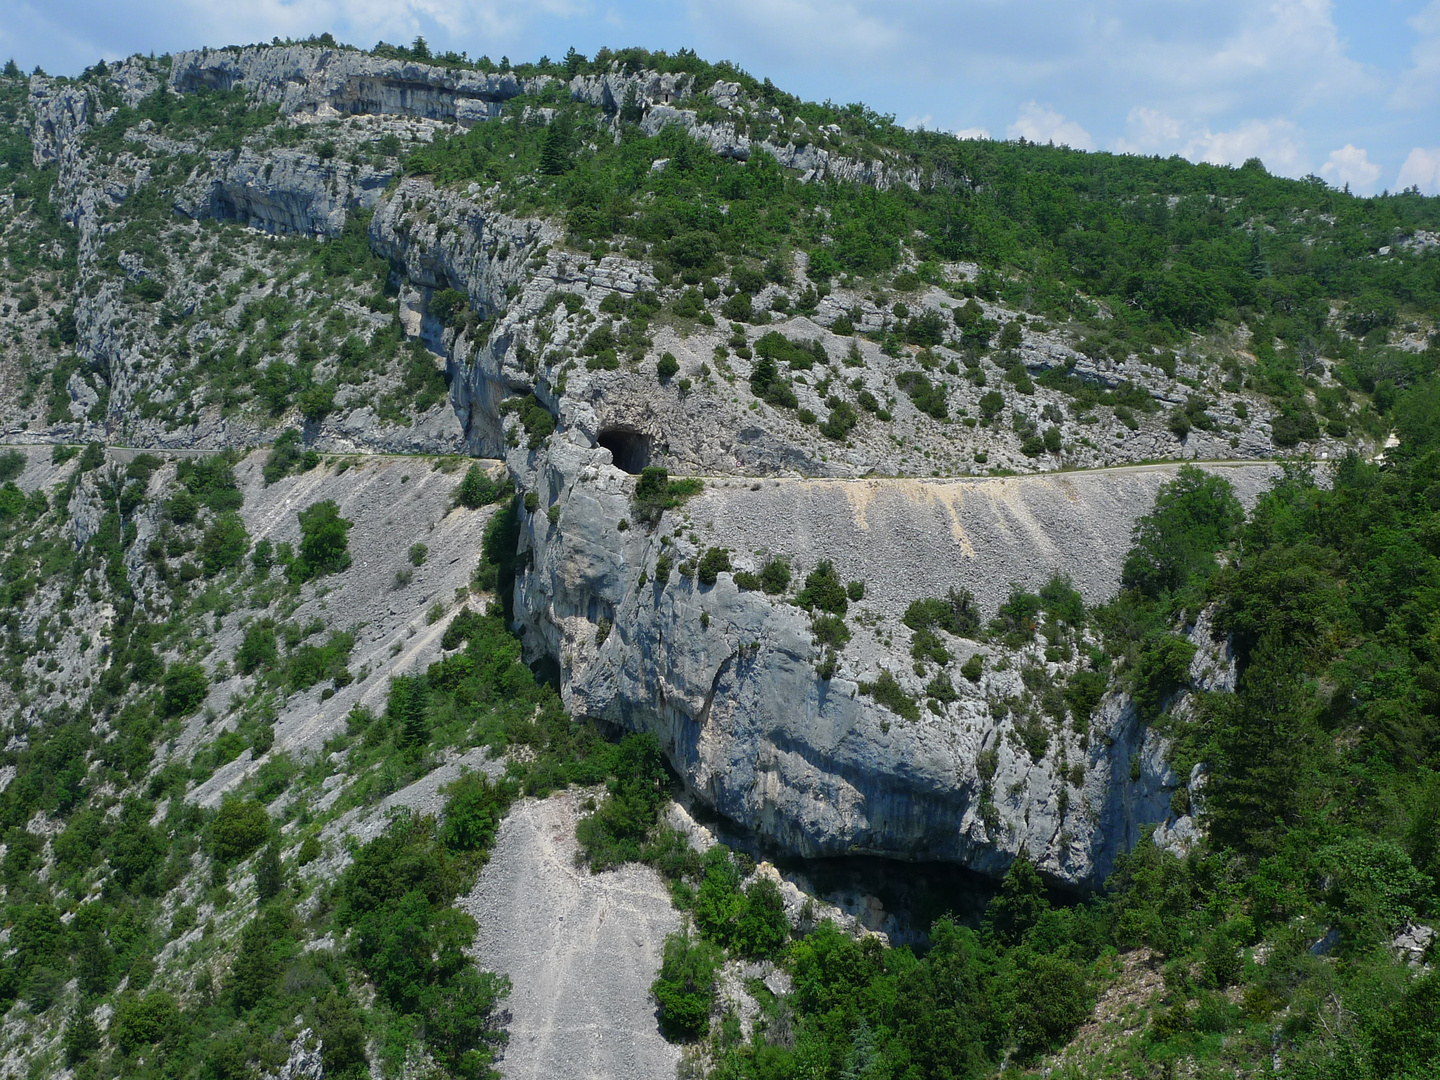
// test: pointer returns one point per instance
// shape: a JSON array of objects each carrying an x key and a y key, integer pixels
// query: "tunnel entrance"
[{"x": 630, "y": 450}]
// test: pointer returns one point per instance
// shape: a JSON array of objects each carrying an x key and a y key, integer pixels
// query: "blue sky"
[{"x": 1348, "y": 90}]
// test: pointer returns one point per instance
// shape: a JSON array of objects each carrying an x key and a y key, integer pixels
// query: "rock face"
[
  {"x": 727, "y": 679},
  {"x": 329, "y": 83},
  {"x": 283, "y": 191},
  {"x": 728, "y": 682}
]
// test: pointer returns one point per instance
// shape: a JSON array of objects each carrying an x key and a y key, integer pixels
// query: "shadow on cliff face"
[
  {"x": 898, "y": 898},
  {"x": 901, "y": 899}
]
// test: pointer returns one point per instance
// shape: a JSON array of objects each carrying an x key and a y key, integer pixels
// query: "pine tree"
[
  {"x": 862, "y": 1059},
  {"x": 631, "y": 111},
  {"x": 555, "y": 153},
  {"x": 1255, "y": 264},
  {"x": 1019, "y": 903},
  {"x": 269, "y": 873},
  {"x": 82, "y": 1037},
  {"x": 1261, "y": 746}
]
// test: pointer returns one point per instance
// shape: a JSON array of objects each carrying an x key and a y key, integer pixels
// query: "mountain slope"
[{"x": 836, "y": 467}]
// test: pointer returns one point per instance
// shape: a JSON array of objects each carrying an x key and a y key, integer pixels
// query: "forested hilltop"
[{"x": 787, "y": 526}]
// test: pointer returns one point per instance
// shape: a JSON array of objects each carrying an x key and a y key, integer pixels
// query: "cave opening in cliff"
[{"x": 629, "y": 449}]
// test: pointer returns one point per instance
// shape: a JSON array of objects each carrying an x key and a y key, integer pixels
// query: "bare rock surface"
[
  {"x": 728, "y": 680},
  {"x": 581, "y": 951}
]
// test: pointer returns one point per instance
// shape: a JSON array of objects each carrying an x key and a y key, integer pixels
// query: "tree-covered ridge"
[
  {"x": 1167, "y": 245},
  {"x": 1289, "y": 288}
]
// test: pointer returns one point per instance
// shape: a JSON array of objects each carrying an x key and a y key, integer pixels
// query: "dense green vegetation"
[
  {"x": 1133, "y": 254},
  {"x": 1167, "y": 245},
  {"x": 1321, "y": 808},
  {"x": 1322, "y": 799},
  {"x": 147, "y": 902}
]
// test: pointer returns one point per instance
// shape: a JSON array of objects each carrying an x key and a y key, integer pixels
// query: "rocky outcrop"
[
  {"x": 728, "y": 681},
  {"x": 308, "y": 81},
  {"x": 811, "y": 160},
  {"x": 283, "y": 191}
]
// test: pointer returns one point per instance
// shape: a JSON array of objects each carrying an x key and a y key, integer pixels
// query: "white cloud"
[
  {"x": 1420, "y": 85},
  {"x": 1351, "y": 165},
  {"x": 834, "y": 34},
  {"x": 1422, "y": 170},
  {"x": 1272, "y": 141},
  {"x": 922, "y": 123},
  {"x": 973, "y": 133},
  {"x": 1042, "y": 124},
  {"x": 1148, "y": 131}
]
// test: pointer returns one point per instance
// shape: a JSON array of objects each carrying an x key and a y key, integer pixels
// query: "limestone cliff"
[
  {"x": 728, "y": 679},
  {"x": 234, "y": 321}
]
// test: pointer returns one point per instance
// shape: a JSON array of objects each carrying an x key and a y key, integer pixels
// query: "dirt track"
[{"x": 580, "y": 950}]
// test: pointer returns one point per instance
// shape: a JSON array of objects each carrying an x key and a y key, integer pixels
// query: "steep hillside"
[{"x": 438, "y": 500}]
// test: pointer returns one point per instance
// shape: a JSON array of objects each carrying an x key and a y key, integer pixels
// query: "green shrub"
[
  {"x": 763, "y": 929},
  {"x": 830, "y": 631},
  {"x": 538, "y": 422},
  {"x": 739, "y": 308},
  {"x": 887, "y": 691},
  {"x": 711, "y": 564},
  {"x": 449, "y": 307},
  {"x": 1161, "y": 669},
  {"x": 616, "y": 831},
  {"x": 224, "y": 544},
  {"x": 324, "y": 542},
  {"x": 928, "y": 397},
  {"x": 12, "y": 464},
  {"x": 719, "y": 900},
  {"x": 184, "y": 690},
  {"x": 478, "y": 489},
  {"x": 973, "y": 668},
  {"x": 655, "y": 493},
  {"x": 142, "y": 1020},
  {"x": 799, "y": 356},
  {"x": 926, "y": 646},
  {"x": 311, "y": 664},
  {"x": 1052, "y": 1000},
  {"x": 1018, "y": 617},
  {"x": 956, "y": 614},
  {"x": 182, "y": 507},
  {"x": 841, "y": 421},
  {"x": 285, "y": 457},
  {"x": 775, "y": 576},
  {"x": 1083, "y": 691},
  {"x": 238, "y": 830},
  {"x": 768, "y": 385},
  {"x": 418, "y": 554},
  {"x": 941, "y": 688},
  {"x": 473, "y": 810},
  {"x": 666, "y": 366},
  {"x": 685, "y": 987},
  {"x": 1195, "y": 516},
  {"x": 258, "y": 649},
  {"x": 316, "y": 402},
  {"x": 823, "y": 590}
]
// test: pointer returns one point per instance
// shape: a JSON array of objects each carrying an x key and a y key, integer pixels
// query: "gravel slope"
[{"x": 580, "y": 949}]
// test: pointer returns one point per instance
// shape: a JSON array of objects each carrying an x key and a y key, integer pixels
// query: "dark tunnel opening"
[{"x": 630, "y": 450}]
